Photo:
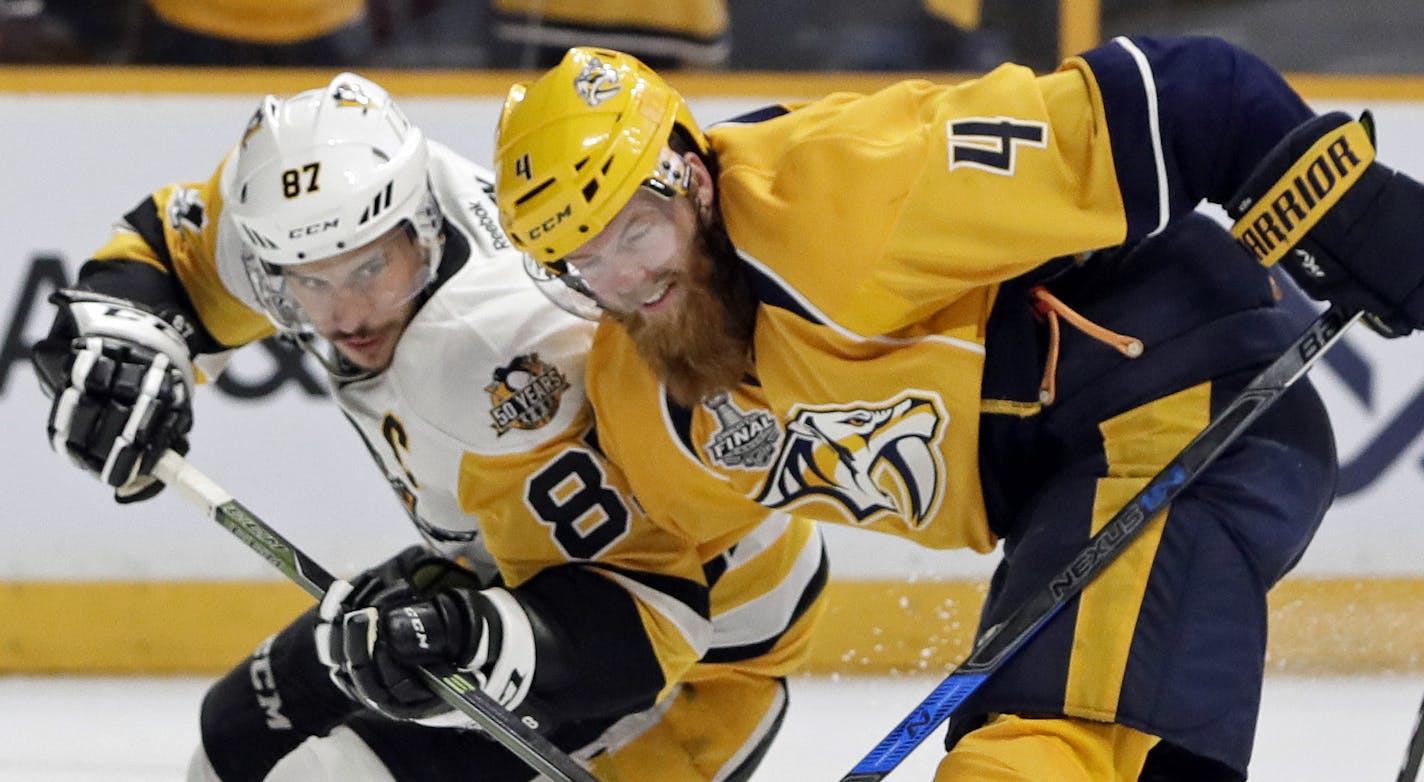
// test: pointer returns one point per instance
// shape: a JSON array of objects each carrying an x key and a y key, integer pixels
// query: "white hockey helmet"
[{"x": 321, "y": 173}]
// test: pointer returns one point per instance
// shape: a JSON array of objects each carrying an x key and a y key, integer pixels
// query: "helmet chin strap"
[{"x": 575, "y": 282}]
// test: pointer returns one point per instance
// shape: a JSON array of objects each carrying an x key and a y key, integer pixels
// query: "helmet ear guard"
[{"x": 672, "y": 176}]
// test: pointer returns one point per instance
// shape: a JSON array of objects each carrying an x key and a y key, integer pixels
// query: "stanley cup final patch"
[
  {"x": 525, "y": 394},
  {"x": 744, "y": 440}
]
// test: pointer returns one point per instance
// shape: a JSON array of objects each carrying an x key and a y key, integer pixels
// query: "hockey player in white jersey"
[{"x": 336, "y": 223}]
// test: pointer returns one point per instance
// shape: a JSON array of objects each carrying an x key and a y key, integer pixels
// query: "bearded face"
[
  {"x": 664, "y": 269},
  {"x": 703, "y": 345}
]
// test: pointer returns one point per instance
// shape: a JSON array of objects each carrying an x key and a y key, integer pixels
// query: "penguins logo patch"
[
  {"x": 186, "y": 210},
  {"x": 525, "y": 394}
]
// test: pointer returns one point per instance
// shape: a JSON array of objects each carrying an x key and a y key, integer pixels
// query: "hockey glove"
[
  {"x": 121, "y": 382},
  {"x": 376, "y": 630},
  {"x": 1348, "y": 230}
]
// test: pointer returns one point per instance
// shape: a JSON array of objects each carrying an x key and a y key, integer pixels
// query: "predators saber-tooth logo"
[
  {"x": 870, "y": 459},
  {"x": 525, "y": 393},
  {"x": 596, "y": 83}
]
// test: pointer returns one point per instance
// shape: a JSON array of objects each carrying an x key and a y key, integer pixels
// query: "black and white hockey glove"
[
  {"x": 121, "y": 382},
  {"x": 376, "y": 629}
]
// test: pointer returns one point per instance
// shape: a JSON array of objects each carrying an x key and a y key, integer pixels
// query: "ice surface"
[{"x": 59, "y": 729}]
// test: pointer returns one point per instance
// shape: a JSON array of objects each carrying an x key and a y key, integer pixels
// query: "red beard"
[{"x": 704, "y": 347}]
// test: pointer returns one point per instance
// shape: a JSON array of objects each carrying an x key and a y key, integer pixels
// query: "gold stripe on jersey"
[
  {"x": 261, "y": 21},
  {"x": 793, "y": 649},
  {"x": 762, "y": 593},
  {"x": 786, "y": 539},
  {"x": 1136, "y": 445},
  {"x": 1010, "y": 407},
  {"x": 677, "y": 634},
  {"x": 124, "y": 244}
]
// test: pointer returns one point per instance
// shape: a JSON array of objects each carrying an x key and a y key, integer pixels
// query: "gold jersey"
[
  {"x": 913, "y": 254},
  {"x": 877, "y": 233}
]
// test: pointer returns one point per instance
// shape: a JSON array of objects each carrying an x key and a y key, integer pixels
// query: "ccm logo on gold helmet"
[{"x": 549, "y": 225}]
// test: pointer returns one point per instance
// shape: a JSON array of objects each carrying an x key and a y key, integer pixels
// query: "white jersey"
[{"x": 482, "y": 427}]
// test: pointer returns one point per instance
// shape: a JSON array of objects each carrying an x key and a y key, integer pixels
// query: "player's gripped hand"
[{"x": 121, "y": 384}]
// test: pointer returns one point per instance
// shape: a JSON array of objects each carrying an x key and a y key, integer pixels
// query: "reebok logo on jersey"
[
  {"x": 526, "y": 394},
  {"x": 868, "y": 459},
  {"x": 489, "y": 225}
]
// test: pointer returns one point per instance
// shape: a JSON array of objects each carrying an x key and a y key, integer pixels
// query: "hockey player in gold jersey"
[
  {"x": 985, "y": 314},
  {"x": 649, "y": 654}
]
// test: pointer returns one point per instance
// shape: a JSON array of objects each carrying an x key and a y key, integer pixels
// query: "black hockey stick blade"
[
  {"x": 447, "y": 681},
  {"x": 999, "y": 642}
]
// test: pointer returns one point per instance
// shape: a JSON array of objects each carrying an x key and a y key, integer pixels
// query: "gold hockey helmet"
[{"x": 575, "y": 144}]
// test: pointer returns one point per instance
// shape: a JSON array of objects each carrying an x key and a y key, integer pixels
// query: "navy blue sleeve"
[{"x": 1189, "y": 118}]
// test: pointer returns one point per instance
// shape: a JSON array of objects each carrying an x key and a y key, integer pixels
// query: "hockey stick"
[
  {"x": 1412, "y": 756},
  {"x": 1002, "y": 640},
  {"x": 458, "y": 689}
]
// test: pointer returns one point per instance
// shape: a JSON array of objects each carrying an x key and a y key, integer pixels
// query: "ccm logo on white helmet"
[{"x": 313, "y": 229}]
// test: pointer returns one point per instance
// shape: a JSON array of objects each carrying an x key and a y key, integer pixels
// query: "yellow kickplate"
[{"x": 1335, "y": 625}]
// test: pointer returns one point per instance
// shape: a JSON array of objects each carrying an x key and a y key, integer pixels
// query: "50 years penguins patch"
[{"x": 525, "y": 394}]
